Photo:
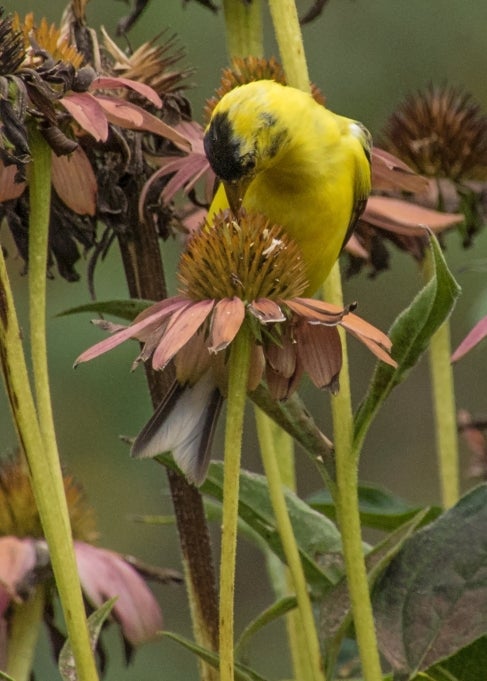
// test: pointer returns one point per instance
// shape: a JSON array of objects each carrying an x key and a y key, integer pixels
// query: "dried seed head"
[{"x": 244, "y": 257}]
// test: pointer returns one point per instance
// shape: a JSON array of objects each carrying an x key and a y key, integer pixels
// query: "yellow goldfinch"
[{"x": 280, "y": 153}]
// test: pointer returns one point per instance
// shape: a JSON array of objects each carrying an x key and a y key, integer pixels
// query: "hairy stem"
[
  {"x": 307, "y": 661},
  {"x": 237, "y": 392},
  {"x": 443, "y": 395},
  {"x": 347, "y": 501}
]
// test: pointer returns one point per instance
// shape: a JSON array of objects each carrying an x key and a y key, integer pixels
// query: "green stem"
[
  {"x": 443, "y": 395},
  {"x": 44, "y": 464},
  {"x": 274, "y": 446},
  {"x": 243, "y": 28},
  {"x": 290, "y": 41},
  {"x": 237, "y": 392},
  {"x": 24, "y": 626},
  {"x": 286, "y": 533},
  {"x": 348, "y": 504}
]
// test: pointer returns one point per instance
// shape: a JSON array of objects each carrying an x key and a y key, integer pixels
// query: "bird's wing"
[{"x": 362, "y": 184}]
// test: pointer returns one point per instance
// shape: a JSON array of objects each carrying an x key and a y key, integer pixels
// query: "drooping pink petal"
[
  {"x": 18, "y": 559},
  {"x": 404, "y": 217},
  {"x": 75, "y": 182},
  {"x": 282, "y": 357},
  {"x": 153, "y": 315},
  {"x": 9, "y": 189},
  {"x": 320, "y": 352},
  {"x": 128, "y": 115},
  {"x": 192, "y": 360},
  {"x": 377, "y": 341},
  {"x": 316, "y": 310},
  {"x": 390, "y": 173},
  {"x": 226, "y": 321},
  {"x": 107, "y": 82},
  {"x": 105, "y": 574},
  {"x": 88, "y": 113},
  {"x": 267, "y": 311},
  {"x": 182, "y": 326},
  {"x": 473, "y": 338}
]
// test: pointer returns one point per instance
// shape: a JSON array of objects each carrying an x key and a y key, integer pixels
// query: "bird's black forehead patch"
[{"x": 223, "y": 150}]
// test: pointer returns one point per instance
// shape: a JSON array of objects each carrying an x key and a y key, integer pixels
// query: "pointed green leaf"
[
  {"x": 432, "y": 599},
  {"x": 273, "y": 612},
  {"x": 317, "y": 537},
  {"x": 378, "y": 507},
  {"x": 125, "y": 309},
  {"x": 242, "y": 672},
  {"x": 410, "y": 335},
  {"x": 96, "y": 620}
]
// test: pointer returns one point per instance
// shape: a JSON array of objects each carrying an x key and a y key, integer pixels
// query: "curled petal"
[
  {"x": 9, "y": 189},
  {"x": 226, "y": 321},
  {"x": 320, "y": 352},
  {"x": 184, "y": 324},
  {"x": 105, "y": 574},
  {"x": 316, "y": 310},
  {"x": 257, "y": 366},
  {"x": 390, "y": 173},
  {"x": 281, "y": 387},
  {"x": 282, "y": 358},
  {"x": 267, "y": 311},
  {"x": 146, "y": 91},
  {"x": 193, "y": 360}
]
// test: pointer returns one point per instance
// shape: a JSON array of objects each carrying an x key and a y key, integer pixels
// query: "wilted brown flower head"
[
  {"x": 440, "y": 132},
  {"x": 238, "y": 270}
]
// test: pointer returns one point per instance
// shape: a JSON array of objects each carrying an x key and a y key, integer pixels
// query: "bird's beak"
[{"x": 235, "y": 192}]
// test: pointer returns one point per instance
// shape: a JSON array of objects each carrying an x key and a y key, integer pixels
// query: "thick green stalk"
[
  {"x": 43, "y": 458},
  {"x": 348, "y": 504},
  {"x": 443, "y": 395},
  {"x": 243, "y": 23},
  {"x": 24, "y": 629},
  {"x": 309, "y": 658},
  {"x": 290, "y": 41},
  {"x": 238, "y": 370}
]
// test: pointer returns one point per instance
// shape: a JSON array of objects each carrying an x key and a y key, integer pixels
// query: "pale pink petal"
[
  {"x": 75, "y": 182},
  {"x": 266, "y": 311},
  {"x": 87, "y": 112},
  {"x": 226, "y": 321},
  {"x": 390, "y": 173},
  {"x": 377, "y": 341},
  {"x": 153, "y": 315},
  {"x": 18, "y": 558},
  {"x": 404, "y": 217},
  {"x": 316, "y": 310},
  {"x": 182, "y": 326},
  {"x": 105, "y": 574},
  {"x": 128, "y": 115},
  {"x": 192, "y": 360},
  {"x": 9, "y": 189},
  {"x": 355, "y": 248},
  {"x": 107, "y": 82},
  {"x": 320, "y": 352},
  {"x": 473, "y": 338}
]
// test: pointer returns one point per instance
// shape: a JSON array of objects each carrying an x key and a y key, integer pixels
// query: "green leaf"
[
  {"x": 317, "y": 537},
  {"x": 410, "y": 335},
  {"x": 469, "y": 664},
  {"x": 125, "y": 309},
  {"x": 276, "y": 610},
  {"x": 379, "y": 508},
  {"x": 432, "y": 600},
  {"x": 242, "y": 672},
  {"x": 96, "y": 620},
  {"x": 5, "y": 676}
]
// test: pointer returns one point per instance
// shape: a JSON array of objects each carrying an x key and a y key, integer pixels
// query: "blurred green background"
[{"x": 365, "y": 55}]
